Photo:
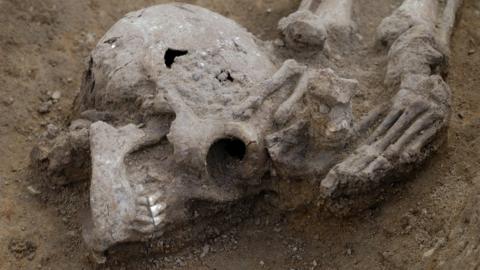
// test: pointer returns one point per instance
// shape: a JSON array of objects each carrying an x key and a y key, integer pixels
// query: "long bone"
[
  {"x": 448, "y": 22},
  {"x": 289, "y": 69},
  {"x": 422, "y": 48},
  {"x": 409, "y": 14},
  {"x": 315, "y": 20}
]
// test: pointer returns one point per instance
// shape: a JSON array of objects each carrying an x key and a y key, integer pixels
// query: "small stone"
[
  {"x": 269, "y": 10},
  {"x": 44, "y": 107},
  {"x": 279, "y": 43},
  {"x": 79, "y": 124},
  {"x": 205, "y": 251},
  {"x": 33, "y": 190},
  {"x": 52, "y": 131},
  {"x": 262, "y": 263},
  {"x": 429, "y": 253},
  {"x": 470, "y": 52},
  {"x": 56, "y": 95},
  {"x": 222, "y": 76},
  {"x": 9, "y": 101},
  {"x": 196, "y": 77}
]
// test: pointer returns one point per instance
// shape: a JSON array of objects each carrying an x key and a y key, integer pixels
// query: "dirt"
[{"x": 429, "y": 221}]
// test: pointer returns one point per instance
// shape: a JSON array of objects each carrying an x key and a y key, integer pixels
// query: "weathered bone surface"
[
  {"x": 317, "y": 22},
  {"x": 180, "y": 105}
]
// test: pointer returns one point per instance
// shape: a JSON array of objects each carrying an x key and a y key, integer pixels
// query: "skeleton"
[{"x": 180, "y": 104}]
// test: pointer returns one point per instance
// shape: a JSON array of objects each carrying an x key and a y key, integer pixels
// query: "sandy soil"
[{"x": 429, "y": 222}]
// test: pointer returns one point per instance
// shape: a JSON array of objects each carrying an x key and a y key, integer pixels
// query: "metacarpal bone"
[{"x": 418, "y": 113}]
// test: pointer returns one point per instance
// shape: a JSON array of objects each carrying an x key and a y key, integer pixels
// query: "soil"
[{"x": 430, "y": 221}]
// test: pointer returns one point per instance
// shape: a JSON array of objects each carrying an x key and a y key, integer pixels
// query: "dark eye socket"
[{"x": 171, "y": 54}]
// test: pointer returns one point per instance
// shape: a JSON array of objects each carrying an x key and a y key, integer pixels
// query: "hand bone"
[
  {"x": 289, "y": 69},
  {"x": 419, "y": 111}
]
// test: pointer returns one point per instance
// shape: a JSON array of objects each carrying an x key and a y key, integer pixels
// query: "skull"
[
  {"x": 181, "y": 106},
  {"x": 170, "y": 77}
]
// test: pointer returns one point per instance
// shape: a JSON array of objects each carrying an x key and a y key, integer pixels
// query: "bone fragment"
[
  {"x": 448, "y": 21},
  {"x": 289, "y": 69},
  {"x": 112, "y": 199},
  {"x": 308, "y": 27},
  {"x": 409, "y": 14}
]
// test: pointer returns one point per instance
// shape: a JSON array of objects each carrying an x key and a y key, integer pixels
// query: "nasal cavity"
[
  {"x": 224, "y": 157},
  {"x": 171, "y": 54}
]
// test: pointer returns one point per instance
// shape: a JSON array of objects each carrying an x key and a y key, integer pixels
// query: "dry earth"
[{"x": 431, "y": 221}]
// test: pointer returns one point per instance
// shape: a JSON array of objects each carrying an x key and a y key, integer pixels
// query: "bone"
[
  {"x": 145, "y": 230},
  {"x": 401, "y": 125},
  {"x": 309, "y": 5},
  {"x": 285, "y": 111},
  {"x": 335, "y": 13},
  {"x": 308, "y": 27},
  {"x": 158, "y": 220},
  {"x": 414, "y": 150},
  {"x": 387, "y": 122},
  {"x": 448, "y": 21},
  {"x": 153, "y": 199},
  {"x": 158, "y": 208},
  {"x": 409, "y": 14},
  {"x": 420, "y": 124},
  {"x": 289, "y": 69},
  {"x": 371, "y": 118},
  {"x": 415, "y": 52},
  {"x": 112, "y": 199},
  {"x": 418, "y": 114}
]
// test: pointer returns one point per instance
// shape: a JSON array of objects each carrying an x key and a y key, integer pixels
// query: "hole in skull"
[
  {"x": 171, "y": 54},
  {"x": 224, "y": 157}
]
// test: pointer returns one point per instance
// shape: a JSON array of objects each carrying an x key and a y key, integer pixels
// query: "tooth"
[
  {"x": 152, "y": 199},
  {"x": 158, "y": 219},
  {"x": 143, "y": 219},
  {"x": 158, "y": 208}
]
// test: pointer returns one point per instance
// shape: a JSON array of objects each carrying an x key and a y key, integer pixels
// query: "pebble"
[
  {"x": 429, "y": 253},
  {"x": 279, "y": 43},
  {"x": 33, "y": 190},
  {"x": 56, "y": 95},
  {"x": 9, "y": 101},
  {"x": 52, "y": 131},
  {"x": 205, "y": 251},
  {"x": 269, "y": 10},
  {"x": 44, "y": 107},
  {"x": 472, "y": 51}
]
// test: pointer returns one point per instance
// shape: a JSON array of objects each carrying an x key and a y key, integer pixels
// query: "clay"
[{"x": 182, "y": 105}]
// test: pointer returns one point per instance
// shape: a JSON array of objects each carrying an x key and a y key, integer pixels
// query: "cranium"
[{"x": 180, "y": 104}]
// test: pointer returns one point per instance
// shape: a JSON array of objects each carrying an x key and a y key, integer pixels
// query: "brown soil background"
[{"x": 430, "y": 222}]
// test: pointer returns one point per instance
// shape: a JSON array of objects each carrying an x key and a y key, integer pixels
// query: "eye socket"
[
  {"x": 171, "y": 54},
  {"x": 224, "y": 157}
]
